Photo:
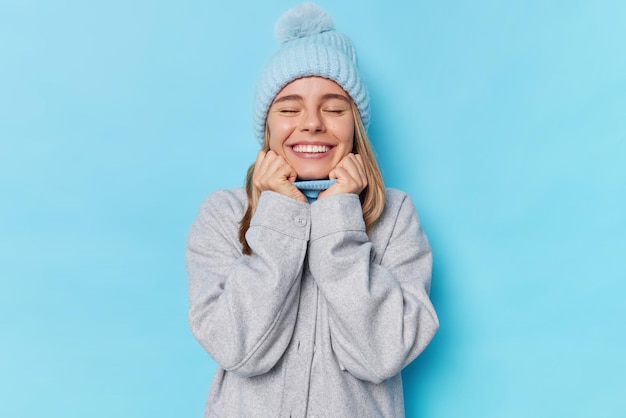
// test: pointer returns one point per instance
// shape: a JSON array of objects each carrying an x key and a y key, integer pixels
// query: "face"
[{"x": 311, "y": 125}]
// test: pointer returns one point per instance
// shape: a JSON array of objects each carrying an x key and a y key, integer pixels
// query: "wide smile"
[{"x": 311, "y": 149}]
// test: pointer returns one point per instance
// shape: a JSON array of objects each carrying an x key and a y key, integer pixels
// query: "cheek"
[
  {"x": 345, "y": 133},
  {"x": 277, "y": 142},
  {"x": 278, "y": 134},
  {"x": 273, "y": 133}
]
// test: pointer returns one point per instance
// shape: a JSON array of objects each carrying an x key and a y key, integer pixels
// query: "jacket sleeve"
[
  {"x": 243, "y": 307},
  {"x": 380, "y": 314}
]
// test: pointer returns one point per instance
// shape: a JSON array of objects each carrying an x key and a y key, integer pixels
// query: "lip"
[{"x": 311, "y": 155}]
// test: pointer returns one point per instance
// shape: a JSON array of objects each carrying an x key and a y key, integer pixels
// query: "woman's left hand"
[{"x": 350, "y": 176}]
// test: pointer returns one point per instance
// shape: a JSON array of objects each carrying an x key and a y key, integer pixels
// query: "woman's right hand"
[{"x": 272, "y": 172}]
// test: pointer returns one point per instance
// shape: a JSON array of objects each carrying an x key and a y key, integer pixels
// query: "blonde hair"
[{"x": 372, "y": 197}]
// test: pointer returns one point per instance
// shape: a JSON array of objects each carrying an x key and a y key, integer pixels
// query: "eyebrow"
[{"x": 297, "y": 97}]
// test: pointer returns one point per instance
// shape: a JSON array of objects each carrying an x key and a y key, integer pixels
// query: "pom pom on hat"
[
  {"x": 305, "y": 20},
  {"x": 310, "y": 46}
]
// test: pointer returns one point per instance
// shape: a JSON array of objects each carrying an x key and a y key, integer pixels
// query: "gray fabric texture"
[{"x": 322, "y": 317}]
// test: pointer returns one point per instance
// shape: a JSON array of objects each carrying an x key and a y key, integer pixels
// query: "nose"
[{"x": 312, "y": 122}]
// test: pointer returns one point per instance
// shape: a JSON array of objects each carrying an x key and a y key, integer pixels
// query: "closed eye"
[
  {"x": 336, "y": 111},
  {"x": 288, "y": 111}
]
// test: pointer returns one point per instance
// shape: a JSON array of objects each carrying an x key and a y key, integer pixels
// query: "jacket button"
[{"x": 300, "y": 220}]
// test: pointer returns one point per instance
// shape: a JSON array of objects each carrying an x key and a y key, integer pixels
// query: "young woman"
[{"x": 310, "y": 304}]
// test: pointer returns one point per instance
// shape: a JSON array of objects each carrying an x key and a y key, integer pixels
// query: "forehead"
[{"x": 311, "y": 88}]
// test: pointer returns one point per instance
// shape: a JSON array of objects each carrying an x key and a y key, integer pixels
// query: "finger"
[
  {"x": 260, "y": 156},
  {"x": 350, "y": 165},
  {"x": 284, "y": 167},
  {"x": 258, "y": 168},
  {"x": 280, "y": 167},
  {"x": 343, "y": 175},
  {"x": 361, "y": 167},
  {"x": 356, "y": 168},
  {"x": 259, "y": 160},
  {"x": 353, "y": 182},
  {"x": 265, "y": 170},
  {"x": 277, "y": 175},
  {"x": 345, "y": 183}
]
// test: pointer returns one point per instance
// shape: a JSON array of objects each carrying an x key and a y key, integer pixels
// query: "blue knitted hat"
[{"x": 310, "y": 46}]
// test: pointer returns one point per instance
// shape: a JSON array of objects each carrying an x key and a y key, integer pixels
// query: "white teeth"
[{"x": 310, "y": 148}]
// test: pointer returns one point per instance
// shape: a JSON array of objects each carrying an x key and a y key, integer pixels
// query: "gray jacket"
[{"x": 321, "y": 318}]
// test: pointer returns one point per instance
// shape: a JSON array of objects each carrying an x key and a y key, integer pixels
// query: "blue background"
[{"x": 505, "y": 121}]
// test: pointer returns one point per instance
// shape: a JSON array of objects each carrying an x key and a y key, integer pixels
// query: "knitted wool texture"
[
  {"x": 312, "y": 188},
  {"x": 310, "y": 47}
]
